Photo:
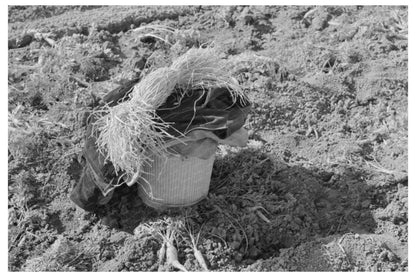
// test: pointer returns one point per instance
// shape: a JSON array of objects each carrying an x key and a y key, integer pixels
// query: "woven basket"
[{"x": 175, "y": 181}]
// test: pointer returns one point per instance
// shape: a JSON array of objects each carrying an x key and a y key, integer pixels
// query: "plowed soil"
[{"x": 321, "y": 186}]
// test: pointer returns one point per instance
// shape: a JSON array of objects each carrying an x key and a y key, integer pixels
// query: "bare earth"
[{"x": 321, "y": 186}]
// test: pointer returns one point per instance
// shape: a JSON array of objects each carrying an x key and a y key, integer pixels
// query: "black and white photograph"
[{"x": 207, "y": 138}]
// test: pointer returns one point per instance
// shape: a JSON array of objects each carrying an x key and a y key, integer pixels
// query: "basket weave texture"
[{"x": 175, "y": 181}]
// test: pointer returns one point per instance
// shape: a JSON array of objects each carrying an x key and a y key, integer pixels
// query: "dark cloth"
[
  {"x": 213, "y": 110},
  {"x": 87, "y": 194},
  {"x": 98, "y": 177},
  {"x": 221, "y": 114}
]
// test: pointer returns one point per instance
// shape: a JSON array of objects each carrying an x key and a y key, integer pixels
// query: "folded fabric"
[
  {"x": 203, "y": 144},
  {"x": 88, "y": 194},
  {"x": 98, "y": 178},
  {"x": 237, "y": 138},
  {"x": 215, "y": 111}
]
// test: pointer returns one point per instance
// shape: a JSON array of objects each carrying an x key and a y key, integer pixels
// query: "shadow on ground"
[{"x": 258, "y": 204}]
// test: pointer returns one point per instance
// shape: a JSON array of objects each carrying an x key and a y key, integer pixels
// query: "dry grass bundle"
[
  {"x": 155, "y": 88},
  {"x": 202, "y": 68},
  {"x": 198, "y": 68},
  {"x": 125, "y": 133}
]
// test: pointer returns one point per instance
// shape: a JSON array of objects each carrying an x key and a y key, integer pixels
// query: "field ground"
[{"x": 321, "y": 186}]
